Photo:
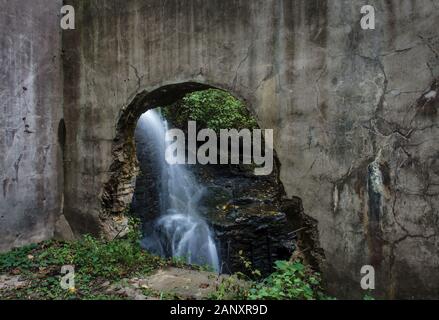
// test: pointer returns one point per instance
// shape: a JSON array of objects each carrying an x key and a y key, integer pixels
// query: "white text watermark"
[{"x": 235, "y": 147}]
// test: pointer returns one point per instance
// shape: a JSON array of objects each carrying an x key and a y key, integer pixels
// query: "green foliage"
[
  {"x": 95, "y": 261},
  {"x": 98, "y": 261},
  {"x": 368, "y": 296},
  {"x": 214, "y": 109},
  {"x": 248, "y": 266},
  {"x": 17, "y": 258},
  {"x": 290, "y": 281},
  {"x": 230, "y": 288}
]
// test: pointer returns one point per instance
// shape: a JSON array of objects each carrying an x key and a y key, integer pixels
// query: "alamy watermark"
[
  {"x": 68, "y": 18},
  {"x": 368, "y": 280},
  {"x": 233, "y": 145},
  {"x": 68, "y": 280},
  {"x": 368, "y": 20}
]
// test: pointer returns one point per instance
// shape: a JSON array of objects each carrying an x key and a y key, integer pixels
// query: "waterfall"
[{"x": 179, "y": 231}]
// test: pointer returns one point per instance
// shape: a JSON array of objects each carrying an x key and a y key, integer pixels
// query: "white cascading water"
[{"x": 179, "y": 231}]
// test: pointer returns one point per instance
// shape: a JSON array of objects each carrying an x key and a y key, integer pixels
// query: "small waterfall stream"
[{"x": 179, "y": 231}]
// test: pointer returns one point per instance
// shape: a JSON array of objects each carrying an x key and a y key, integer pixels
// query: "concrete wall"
[
  {"x": 352, "y": 135},
  {"x": 30, "y": 110},
  {"x": 354, "y": 113}
]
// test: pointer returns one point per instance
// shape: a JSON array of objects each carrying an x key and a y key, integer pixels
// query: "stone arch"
[{"x": 119, "y": 189}]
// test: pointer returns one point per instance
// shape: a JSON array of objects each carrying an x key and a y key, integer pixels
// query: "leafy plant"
[
  {"x": 290, "y": 281},
  {"x": 248, "y": 266},
  {"x": 368, "y": 296},
  {"x": 212, "y": 108},
  {"x": 18, "y": 258},
  {"x": 95, "y": 261},
  {"x": 230, "y": 288}
]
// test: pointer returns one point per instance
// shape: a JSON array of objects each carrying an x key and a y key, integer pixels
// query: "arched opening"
[
  {"x": 118, "y": 191},
  {"x": 249, "y": 216}
]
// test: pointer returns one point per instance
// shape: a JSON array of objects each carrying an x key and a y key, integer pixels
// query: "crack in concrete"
[
  {"x": 317, "y": 91},
  {"x": 235, "y": 80},
  {"x": 429, "y": 45},
  {"x": 139, "y": 78}
]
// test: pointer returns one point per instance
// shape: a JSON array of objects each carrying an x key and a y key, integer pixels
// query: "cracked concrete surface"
[
  {"x": 337, "y": 97},
  {"x": 31, "y": 107}
]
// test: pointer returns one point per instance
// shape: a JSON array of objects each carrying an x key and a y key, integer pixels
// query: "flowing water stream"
[{"x": 179, "y": 231}]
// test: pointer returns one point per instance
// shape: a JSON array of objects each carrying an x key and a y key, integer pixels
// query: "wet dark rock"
[
  {"x": 245, "y": 212},
  {"x": 146, "y": 199}
]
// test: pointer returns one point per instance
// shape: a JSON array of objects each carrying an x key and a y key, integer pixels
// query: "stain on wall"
[
  {"x": 30, "y": 107},
  {"x": 354, "y": 114}
]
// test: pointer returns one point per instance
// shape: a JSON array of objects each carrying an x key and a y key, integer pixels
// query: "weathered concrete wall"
[
  {"x": 30, "y": 107},
  {"x": 356, "y": 133},
  {"x": 355, "y": 115},
  {"x": 370, "y": 146}
]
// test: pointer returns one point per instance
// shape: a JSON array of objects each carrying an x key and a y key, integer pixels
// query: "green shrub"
[
  {"x": 230, "y": 288},
  {"x": 18, "y": 258},
  {"x": 290, "y": 281},
  {"x": 95, "y": 261},
  {"x": 213, "y": 108}
]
